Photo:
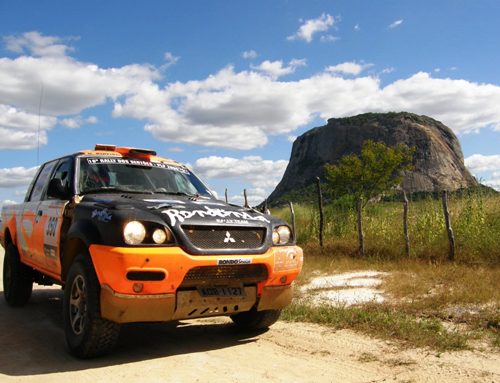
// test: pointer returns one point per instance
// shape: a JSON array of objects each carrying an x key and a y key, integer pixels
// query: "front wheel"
[
  {"x": 87, "y": 334},
  {"x": 256, "y": 320},
  {"x": 17, "y": 278}
]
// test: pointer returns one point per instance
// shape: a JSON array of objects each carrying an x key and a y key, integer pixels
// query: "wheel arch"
[{"x": 80, "y": 236}]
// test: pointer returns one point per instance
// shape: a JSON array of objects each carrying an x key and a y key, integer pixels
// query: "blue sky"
[{"x": 226, "y": 86}]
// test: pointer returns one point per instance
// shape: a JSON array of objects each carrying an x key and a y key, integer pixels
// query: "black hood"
[{"x": 183, "y": 215}]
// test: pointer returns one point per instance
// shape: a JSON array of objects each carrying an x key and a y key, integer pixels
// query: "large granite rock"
[{"x": 439, "y": 163}]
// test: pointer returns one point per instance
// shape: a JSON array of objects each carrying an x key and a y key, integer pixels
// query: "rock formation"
[{"x": 438, "y": 160}]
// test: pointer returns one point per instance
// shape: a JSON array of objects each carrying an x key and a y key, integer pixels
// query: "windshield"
[{"x": 105, "y": 174}]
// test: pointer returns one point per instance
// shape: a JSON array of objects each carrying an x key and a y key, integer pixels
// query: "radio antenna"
[{"x": 39, "y": 123}]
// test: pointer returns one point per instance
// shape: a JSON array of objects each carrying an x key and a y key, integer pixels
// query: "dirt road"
[{"x": 32, "y": 349}]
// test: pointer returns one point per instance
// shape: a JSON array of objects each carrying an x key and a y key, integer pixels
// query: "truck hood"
[{"x": 181, "y": 210}]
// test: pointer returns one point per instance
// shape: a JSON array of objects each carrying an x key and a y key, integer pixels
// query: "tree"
[{"x": 377, "y": 169}]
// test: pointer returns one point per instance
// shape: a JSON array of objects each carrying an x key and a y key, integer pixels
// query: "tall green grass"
[{"x": 475, "y": 219}]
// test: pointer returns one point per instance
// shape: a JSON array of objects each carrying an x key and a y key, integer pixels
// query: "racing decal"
[
  {"x": 27, "y": 227},
  {"x": 24, "y": 234},
  {"x": 50, "y": 251},
  {"x": 51, "y": 229},
  {"x": 180, "y": 216},
  {"x": 132, "y": 162},
  {"x": 102, "y": 215},
  {"x": 234, "y": 261}
]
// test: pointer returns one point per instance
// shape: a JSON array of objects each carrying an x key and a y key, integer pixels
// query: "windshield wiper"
[{"x": 106, "y": 189}]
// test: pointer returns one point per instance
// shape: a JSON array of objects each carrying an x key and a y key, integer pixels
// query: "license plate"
[{"x": 221, "y": 291}]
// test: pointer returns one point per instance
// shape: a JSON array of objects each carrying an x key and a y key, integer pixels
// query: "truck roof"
[{"x": 139, "y": 153}]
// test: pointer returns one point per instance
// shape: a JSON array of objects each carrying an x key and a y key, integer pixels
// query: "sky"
[{"x": 227, "y": 86}]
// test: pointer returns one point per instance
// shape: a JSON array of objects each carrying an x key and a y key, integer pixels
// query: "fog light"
[
  {"x": 159, "y": 236},
  {"x": 137, "y": 287}
]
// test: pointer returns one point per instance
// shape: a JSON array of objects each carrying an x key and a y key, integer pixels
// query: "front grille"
[
  {"x": 209, "y": 237},
  {"x": 225, "y": 274}
]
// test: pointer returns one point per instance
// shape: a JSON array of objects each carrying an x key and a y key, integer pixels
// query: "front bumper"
[{"x": 162, "y": 300}]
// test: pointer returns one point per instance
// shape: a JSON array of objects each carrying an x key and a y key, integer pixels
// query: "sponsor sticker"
[
  {"x": 132, "y": 162},
  {"x": 234, "y": 261},
  {"x": 102, "y": 215},
  {"x": 180, "y": 216}
]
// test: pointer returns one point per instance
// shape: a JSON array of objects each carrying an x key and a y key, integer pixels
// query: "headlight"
[
  {"x": 281, "y": 235},
  {"x": 134, "y": 233},
  {"x": 161, "y": 236}
]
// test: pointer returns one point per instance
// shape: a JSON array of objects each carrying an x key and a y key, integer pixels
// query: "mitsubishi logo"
[{"x": 229, "y": 238}]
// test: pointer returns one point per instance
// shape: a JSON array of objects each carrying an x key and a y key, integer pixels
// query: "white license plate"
[{"x": 221, "y": 291}]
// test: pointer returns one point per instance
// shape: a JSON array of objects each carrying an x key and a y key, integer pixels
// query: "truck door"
[
  {"x": 51, "y": 209},
  {"x": 29, "y": 235}
]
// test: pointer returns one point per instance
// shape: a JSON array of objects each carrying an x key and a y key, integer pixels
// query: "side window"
[
  {"x": 42, "y": 181},
  {"x": 64, "y": 173}
]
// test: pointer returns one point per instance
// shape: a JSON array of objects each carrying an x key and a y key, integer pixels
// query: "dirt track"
[{"x": 32, "y": 349}]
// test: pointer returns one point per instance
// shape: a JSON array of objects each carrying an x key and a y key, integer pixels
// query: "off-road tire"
[
  {"x": 256, "y": 320},
  {"x": 17, "y": 278},
  {"x": 88, "y": 335}
]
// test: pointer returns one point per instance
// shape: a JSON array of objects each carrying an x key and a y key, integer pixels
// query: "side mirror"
[{"x": 56, "y": 189}]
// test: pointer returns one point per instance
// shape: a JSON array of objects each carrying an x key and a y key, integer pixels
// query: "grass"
[
  {"x": 475, "y": 219},
  {"x": 380, "y": 321},
  {"x": 432, "y": 302},
  {"x": 442, "y": 306}
]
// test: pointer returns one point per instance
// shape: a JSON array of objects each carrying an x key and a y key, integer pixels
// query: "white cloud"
[
  {"x": 357, "y": 28},
  {"x": 481, "y": 163},
  {"x": 23, "y": 130},
  {"x": 175, "y": 149},
  {"x": 291, "y": 138},
  {"x": 36, "y": 44},
  {"x": 396, "y": 24},
  {"x": 462, "y": 105},
  {"x": 276, "y": 69},
  {"x": 251, "y": 54},
  {"x": 77, "y": 122},
  {"x": 262, "y": 175},
  {"x": 170, "y": 59},
  {"x": 65, "y": 86},
  {"x": 16, "y": 177},
  {"x": 258, "y": 172},
  {"x": 485, "y": 168},
  {"x": 349, "y": 68},
  {"x": 329, "y": 38},
  {"x": 310, "y": 27},
  {"x": 388, "y": 70},
  {"x": 237, "y": 110}
]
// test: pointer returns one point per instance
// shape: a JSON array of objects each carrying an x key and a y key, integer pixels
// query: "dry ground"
[{"x": 32, "y": 349}]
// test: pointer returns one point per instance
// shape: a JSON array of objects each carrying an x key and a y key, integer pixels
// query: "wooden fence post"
[
  {"x": 405, "y": 224},
  {"x": 292, "y": 212},
  {"x": 361, "y": 234},
  {"x": 320, "y": 202},
  {"x": 225, "y": 193},
  {"x": 265, "y": 208},
  {"x": 245, "y": 195},
  {"x": 449, "y": 230}
]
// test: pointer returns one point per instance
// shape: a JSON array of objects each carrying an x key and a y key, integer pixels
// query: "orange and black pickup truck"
[{"x": 133, "y": 237}]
